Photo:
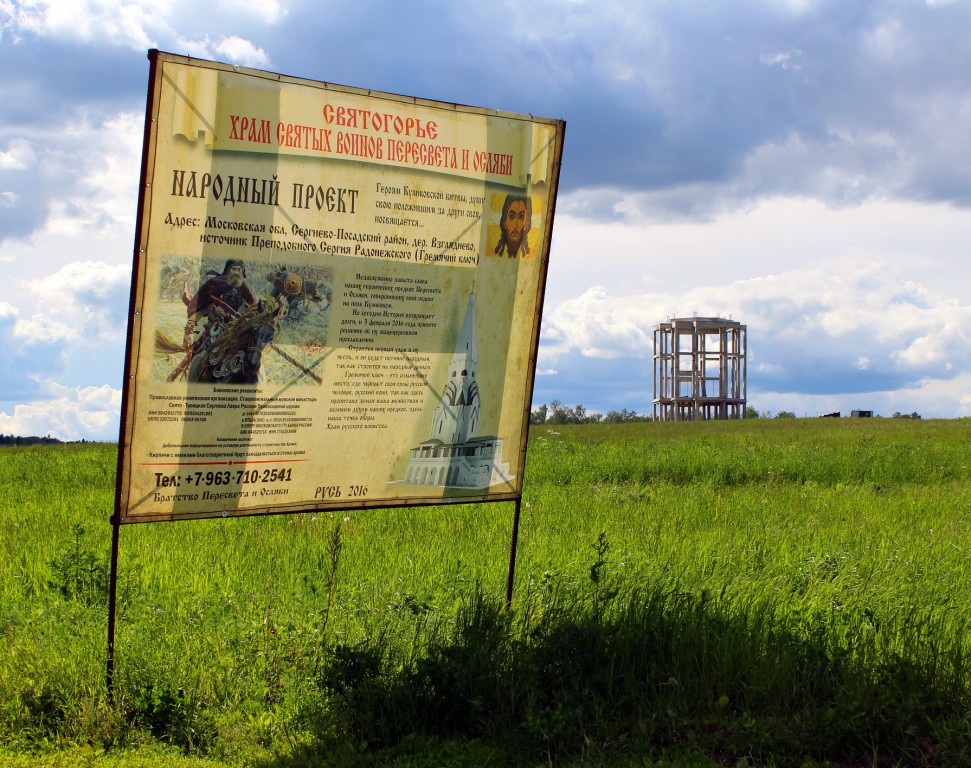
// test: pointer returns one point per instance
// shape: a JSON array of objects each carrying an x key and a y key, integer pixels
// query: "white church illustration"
[{"x": 455, "y": 455}]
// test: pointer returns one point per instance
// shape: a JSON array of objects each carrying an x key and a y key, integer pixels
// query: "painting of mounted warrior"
[{"x": 242, "y": 323}]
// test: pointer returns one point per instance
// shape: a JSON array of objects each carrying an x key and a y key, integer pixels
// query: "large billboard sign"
[{"x": 336, "y": 297}]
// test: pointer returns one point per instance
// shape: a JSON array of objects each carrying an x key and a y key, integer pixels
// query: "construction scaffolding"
[{"x": 699, "y": 369}]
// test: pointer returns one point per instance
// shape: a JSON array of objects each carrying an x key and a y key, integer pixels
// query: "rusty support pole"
[{"x": 512, "y": 555}]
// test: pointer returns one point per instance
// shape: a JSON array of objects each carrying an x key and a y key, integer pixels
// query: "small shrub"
[
  {"x": 79, "y": 573},
  {"x": 171, "y": 716}
]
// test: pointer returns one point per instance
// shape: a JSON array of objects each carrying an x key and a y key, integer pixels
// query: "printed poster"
[{"x": 336, "y": 297}]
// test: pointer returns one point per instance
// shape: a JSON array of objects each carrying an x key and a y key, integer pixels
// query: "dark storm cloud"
[
  {"x": 698, "y": 108},
  {"x": 845, "y": 101},
  {"x": 44, "y": 82}
]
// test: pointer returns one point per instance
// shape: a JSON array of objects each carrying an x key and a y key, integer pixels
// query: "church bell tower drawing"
[{"x": 454, "y": 454}]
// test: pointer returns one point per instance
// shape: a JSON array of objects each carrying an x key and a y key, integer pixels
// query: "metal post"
[
  {"x": 112, "y": 592},
  {"x": 512, "y": 555}
]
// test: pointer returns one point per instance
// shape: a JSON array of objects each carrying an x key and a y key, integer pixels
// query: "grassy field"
[{"x": 770, "y": 592}]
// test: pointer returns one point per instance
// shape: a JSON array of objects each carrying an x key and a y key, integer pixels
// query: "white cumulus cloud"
[
  {"x": 69, "y": 413},
  {"x": 236, "y": 50},
  {"x": 116, "y": 21},
  {"x": 18, "y": 156},
  {"x": 84, "y": 302}
]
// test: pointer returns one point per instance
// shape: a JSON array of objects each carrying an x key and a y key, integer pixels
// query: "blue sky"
[{"x": 803, "y": 166}]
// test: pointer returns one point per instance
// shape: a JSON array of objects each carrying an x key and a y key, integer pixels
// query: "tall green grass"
[{"x": 784, "y": 592}]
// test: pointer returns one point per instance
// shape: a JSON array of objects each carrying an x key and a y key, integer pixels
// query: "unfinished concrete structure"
[{"x": 699, "y": 369}]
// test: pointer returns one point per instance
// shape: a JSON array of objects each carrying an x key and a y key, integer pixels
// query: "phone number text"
[{"x": 224, "y": 477}]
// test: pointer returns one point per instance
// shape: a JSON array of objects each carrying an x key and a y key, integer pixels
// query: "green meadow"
[{"x": 785, "y": 592}]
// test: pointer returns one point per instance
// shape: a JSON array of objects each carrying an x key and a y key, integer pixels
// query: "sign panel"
[{"x": 336, "y": 297}]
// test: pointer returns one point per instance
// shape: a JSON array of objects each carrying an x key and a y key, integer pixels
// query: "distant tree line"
[
  {"x": 752, "y": 413},
  {"x": 31, "y": 440},
  {"x": 558, "y": 413}
]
